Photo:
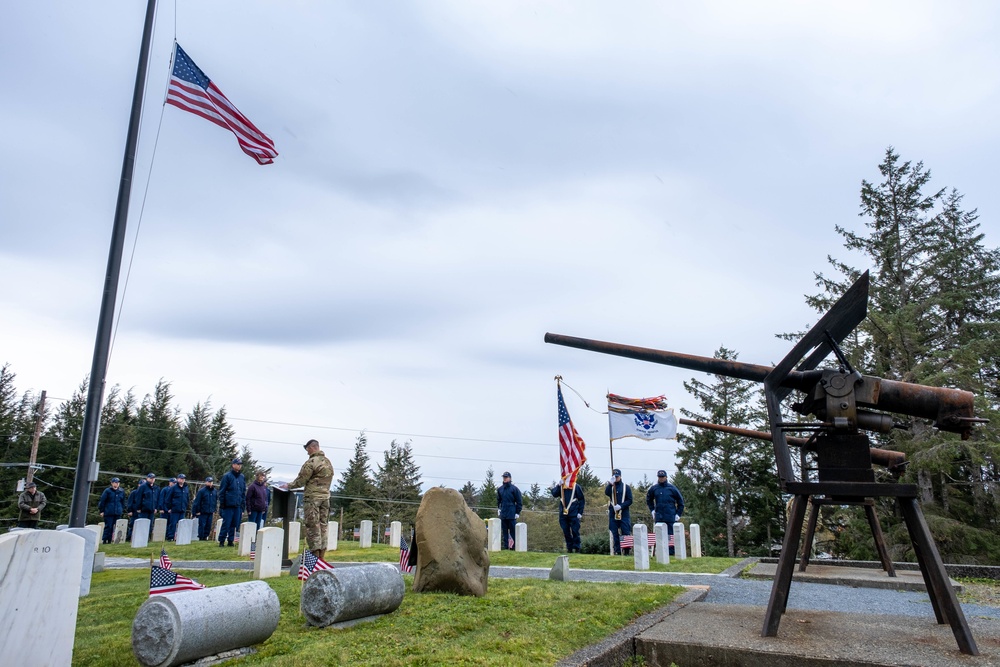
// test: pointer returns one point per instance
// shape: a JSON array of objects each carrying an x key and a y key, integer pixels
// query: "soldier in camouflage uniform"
[{"x": 315, "y": 479}]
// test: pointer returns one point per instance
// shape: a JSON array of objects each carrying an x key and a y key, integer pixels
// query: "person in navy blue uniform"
[
  {"x": 232, "y": 498},
  {"x": 148, "y": 500},
  {"x": 111, "y": 506},
  {"x": 509, "y": 510},
  {"x": 177, "y": 501},
  {"x": 571, "y": 505},
  {"x": 205, "y": 502},
  {"x": 162, "y": 495},
  {"x": 665, "y": 503},
  {"x": 133, "y": 509},
  {"x": 619, "y": 500}
]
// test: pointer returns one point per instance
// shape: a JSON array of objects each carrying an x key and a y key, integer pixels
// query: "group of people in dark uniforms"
[
  {"x": 663, "y": 500},
  {"x": 173, "y": 502}
]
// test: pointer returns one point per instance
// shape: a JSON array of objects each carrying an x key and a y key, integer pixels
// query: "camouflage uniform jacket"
[{"x": 315, "y": 477}]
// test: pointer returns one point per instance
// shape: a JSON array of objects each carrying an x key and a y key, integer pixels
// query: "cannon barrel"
[
  {"x": 889, "y": 458},
  {"x": 951, "y": 409}
]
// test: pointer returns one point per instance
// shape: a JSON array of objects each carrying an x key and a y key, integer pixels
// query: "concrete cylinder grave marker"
[
  {"x": 350, "y": 593},
  {"x": 179, "y": 628}
]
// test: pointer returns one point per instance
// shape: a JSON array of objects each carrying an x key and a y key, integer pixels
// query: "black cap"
[
  {"x": 237, "y": 462},
  {"x": 182, "y": 476},
  {"x": 209, "y": 479},
  {"x": 506, "y": 474},
  {"x": 661, "y": 473},
  {"x": 616, "y": 472},
  {"x": 151, "y": 475},
  {"x": 115, "y": 479},
  {"x": 173, "y": 480},
  {"x": 30, "y": 484}
]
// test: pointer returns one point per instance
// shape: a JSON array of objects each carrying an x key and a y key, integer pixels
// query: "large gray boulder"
[{"x": 451, "y": 546}]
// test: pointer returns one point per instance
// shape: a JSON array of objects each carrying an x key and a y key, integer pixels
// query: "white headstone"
[
  {"x": 159, "y": 530},
  {"x": 695, "y": 531},
  {"x": 639, "y": 552},
  {"x": 680, "y": 551},
  {"x": 62, "y": 526},
  {"x": 493, "y": 534},
  {"x": 366, "y": 534},
  {"x": 248, "y": 533},
  {"x": 216, "y": 530},
  {"x": 40, "y": 574},
  {"x": 267, "y": 556},
  {"x": 98, "y": 530},
  {"x": 87, "y": 564},
  {"x": 99, "y": 562},
  {"x": 332, "y": 530},
  {"x": 184, "y": 531},
  {"x": 395, "y": 529},
  {"x": 295, "y": 537},
  {"x": 662, "y": 534},
  {"x": 121, "y": 530},
  {"x": 140, "y": 534},
  {"x": 521, "y": 537}
]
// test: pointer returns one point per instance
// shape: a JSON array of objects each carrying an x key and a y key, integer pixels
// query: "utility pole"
[{"x": 34, "y": 438}]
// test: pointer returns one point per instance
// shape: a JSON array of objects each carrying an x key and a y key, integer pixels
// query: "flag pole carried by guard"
[{"x": 572, "y": 449}]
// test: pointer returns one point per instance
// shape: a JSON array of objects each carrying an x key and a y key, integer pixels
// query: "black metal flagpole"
[{"x": 85, "y": 473}]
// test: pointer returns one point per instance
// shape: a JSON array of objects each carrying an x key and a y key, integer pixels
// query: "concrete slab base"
[
  {"x": 905, "y": 580},
  {"x": 712, "y": 635}
]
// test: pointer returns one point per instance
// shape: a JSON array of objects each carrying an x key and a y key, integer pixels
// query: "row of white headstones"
[{"x": 640, "y": 535}]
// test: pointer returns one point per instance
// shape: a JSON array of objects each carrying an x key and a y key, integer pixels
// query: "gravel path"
[{"x": 728, "y": 590}]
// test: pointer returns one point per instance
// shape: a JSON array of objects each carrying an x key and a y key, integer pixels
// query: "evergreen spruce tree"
[
  {"x": 196, "y": 434},
  {"x": 470, "y": 493},
  {"x": 158, "y": 432},
  {"x": 356, "y": 490},
  {"x": 224, "y": 446},
  {"x": 397, "y": 485},
  {"x": 933, "y": 319},
  {"x": 733, "y": 488},
  {"x": 587, "y": 479},
  {"x": 116, "y": 448},
  {"x": 488, "y": 496}
]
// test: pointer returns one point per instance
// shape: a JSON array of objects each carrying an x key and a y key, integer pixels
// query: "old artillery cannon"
[{"x": 847, "y": 404}]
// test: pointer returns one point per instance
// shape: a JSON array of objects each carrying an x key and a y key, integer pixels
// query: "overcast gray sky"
[{"x": 455, "y": 179}]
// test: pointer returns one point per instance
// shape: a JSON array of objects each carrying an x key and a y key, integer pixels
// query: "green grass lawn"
[
  {"x": 518, "y": 622},
  {"x": 348, "y": 552}
]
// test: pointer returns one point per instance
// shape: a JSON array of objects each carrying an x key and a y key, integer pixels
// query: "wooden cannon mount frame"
[{"x": 847, "y": 404}]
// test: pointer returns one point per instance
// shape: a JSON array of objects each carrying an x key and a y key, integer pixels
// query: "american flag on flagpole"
[
  {"x": 651, "y": 539},
  {"x": 311, "y": 563},
  {"x": 404, "y": 556},
  {"x": 571, "y": 446},
  {"x": 510, "y": 542},
  {"x": 253, "y": 550},
  {"x": 162, "y": 580},
  {"x": 627, "y": 541},
  {"x": 165, "y": 561},
  {"x": 191, "y": 90}
]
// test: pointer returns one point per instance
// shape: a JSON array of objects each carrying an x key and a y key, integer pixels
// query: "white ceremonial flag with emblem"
[{"x": 645, "y": 425}]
